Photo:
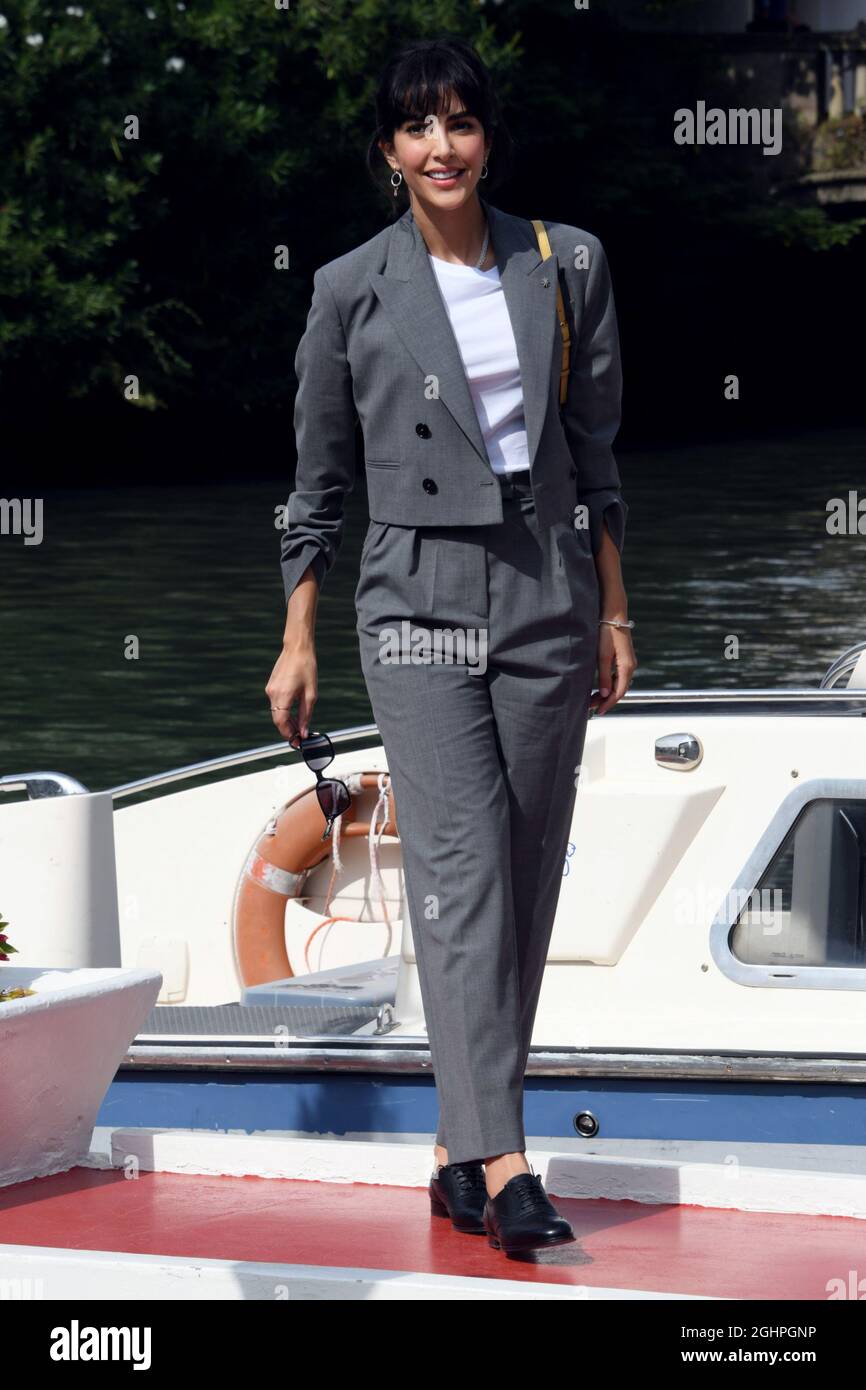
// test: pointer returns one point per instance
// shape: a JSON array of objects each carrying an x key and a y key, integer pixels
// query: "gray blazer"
[{"x": 379, "y": 348}]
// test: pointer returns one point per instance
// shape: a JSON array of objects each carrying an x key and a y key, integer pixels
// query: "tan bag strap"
[{"x": 546, "y": 253}]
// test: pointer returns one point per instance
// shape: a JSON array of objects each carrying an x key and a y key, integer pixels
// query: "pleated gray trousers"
[{"x": 482, "y": 755}]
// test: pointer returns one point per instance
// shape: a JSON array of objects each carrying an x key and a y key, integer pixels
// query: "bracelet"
[{"x": 613, "y": 622}]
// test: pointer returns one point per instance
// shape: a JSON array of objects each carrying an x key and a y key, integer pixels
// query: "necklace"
[{"x": 484, "y": 246}]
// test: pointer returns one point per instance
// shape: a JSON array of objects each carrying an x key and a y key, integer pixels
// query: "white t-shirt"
[{"x": 482, "y": 326}]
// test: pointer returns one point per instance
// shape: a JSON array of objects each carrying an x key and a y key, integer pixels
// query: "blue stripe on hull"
[{"x": 352, "y": 1103}]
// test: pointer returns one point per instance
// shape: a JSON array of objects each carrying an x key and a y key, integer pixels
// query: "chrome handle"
[{"x": 680, "y": 752}]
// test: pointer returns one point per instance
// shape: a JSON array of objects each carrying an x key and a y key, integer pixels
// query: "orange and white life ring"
[{"x": 276, "y": 870}]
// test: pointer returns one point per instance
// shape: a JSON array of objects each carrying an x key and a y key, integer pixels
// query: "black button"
[
  {"x": 429, "y": 485},
  {"x": 574, "y": 472},
  {"x": 423, "y": 430}
]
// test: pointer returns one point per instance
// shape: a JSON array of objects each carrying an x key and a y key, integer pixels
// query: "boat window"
[{"x": 808, "y": 906}]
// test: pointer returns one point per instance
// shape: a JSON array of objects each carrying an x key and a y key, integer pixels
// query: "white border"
[{"x": 46, "y": 1272}]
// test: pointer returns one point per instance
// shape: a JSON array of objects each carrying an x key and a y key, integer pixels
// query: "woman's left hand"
[
  {"x": 617, "y": 664},
  {"x": 616, "y": 660}
]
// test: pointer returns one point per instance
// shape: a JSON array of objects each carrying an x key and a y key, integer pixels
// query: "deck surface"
[{"x": 628, "y": 1245}]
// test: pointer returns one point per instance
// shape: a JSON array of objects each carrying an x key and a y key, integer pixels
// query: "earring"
[
  {"x": 484, "y": 171},
  {"x": 399, "y": 177}
]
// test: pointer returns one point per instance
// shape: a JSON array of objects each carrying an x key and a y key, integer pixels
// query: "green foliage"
[
  {"x": 800, "y": 226},
  {"x": 5, "y": 949},
  {"x": 5, "y": 952},
  {"x": 840, "y": 143},
  {"x": 154, "y": 257}
]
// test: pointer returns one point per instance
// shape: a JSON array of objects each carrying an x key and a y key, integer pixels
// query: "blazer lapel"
[{"x": 409, "y": 294}]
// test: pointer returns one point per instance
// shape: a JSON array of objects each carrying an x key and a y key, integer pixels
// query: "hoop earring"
[
  {"x": 484, "y": 171},
  {"x": 399, "y": 176}
]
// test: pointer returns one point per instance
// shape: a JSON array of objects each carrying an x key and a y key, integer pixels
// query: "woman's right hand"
[{"x": 295, "y": 677}]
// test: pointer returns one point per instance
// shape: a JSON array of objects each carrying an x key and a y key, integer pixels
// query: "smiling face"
[{"x": 451, "y": 144}]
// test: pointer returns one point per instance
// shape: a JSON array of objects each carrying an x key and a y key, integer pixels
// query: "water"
[{"x": 723, "y": 540}]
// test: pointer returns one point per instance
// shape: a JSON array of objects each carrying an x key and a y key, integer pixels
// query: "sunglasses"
[{"x": 318, "y": 753}]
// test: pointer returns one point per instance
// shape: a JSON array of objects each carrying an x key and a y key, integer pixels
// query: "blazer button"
[
  {"x": 429, "y": 485},
  {"x": 573, "y": 472},
  {"x": 423, "y": 430}
]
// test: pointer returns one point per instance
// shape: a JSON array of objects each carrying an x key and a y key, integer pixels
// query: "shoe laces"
[
  {"x": 530, "y": 1193},
  {"x": 468, "y": 1176}
]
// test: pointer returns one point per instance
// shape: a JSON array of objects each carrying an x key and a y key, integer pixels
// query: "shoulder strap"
[{"x": 546, "y": 253}]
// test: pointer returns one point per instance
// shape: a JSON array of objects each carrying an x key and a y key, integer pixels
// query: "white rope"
[
  {"x": 353, "y": 782},
  {"x": 336, "y": 862},
  {"x": 374, "y": 841}
]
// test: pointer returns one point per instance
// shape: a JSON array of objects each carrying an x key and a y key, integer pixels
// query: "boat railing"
[
  {"x": 787, "y": 700},
  {"x": 844, "y": 666}
]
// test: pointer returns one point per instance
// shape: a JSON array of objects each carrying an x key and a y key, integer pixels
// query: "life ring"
[{"x": 276, "y": 870}]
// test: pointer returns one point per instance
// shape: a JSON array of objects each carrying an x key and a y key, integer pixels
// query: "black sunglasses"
[{"x": 318, "y": 752}]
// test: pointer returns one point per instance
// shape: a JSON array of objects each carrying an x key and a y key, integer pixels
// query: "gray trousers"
[{"x": 482, "y": 762}]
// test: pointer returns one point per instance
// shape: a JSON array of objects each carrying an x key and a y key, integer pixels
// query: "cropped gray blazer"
[{"x": 379, "y": 350}]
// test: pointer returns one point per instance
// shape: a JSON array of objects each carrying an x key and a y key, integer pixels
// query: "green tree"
[{"x": 152, "y": 158}]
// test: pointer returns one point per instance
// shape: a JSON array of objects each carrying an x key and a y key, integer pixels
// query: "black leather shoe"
[
  {"x": 521, "y": 1217},
  {"x": 458, "y": 1190}
]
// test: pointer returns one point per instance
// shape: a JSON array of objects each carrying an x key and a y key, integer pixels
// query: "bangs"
[
  {"x": 430, "y": 94},
  {"x": 422, "y": 78}
]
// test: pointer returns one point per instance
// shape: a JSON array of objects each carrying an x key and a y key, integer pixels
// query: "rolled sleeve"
[
  {"x": 593, "y": 405},
  {"x": 606, "y": 505},
  {"x": 296, "y": 556},
  {"x": 324, "y": 422}
]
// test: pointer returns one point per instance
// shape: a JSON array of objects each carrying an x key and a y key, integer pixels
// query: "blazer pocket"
[{"x": 382, "y": 463}]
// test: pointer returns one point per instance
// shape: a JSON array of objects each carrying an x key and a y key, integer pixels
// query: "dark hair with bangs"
[{"x": 417, "y": 82}]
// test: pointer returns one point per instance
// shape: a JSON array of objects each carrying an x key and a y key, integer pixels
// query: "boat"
[{"x": 698, "y": 1060}]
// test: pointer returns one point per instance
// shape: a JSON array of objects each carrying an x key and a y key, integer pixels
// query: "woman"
[{"x": 441, "y": 335}]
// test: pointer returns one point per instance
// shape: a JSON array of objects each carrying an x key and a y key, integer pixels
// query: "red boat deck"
[{"x": 620, "y": 1244}]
